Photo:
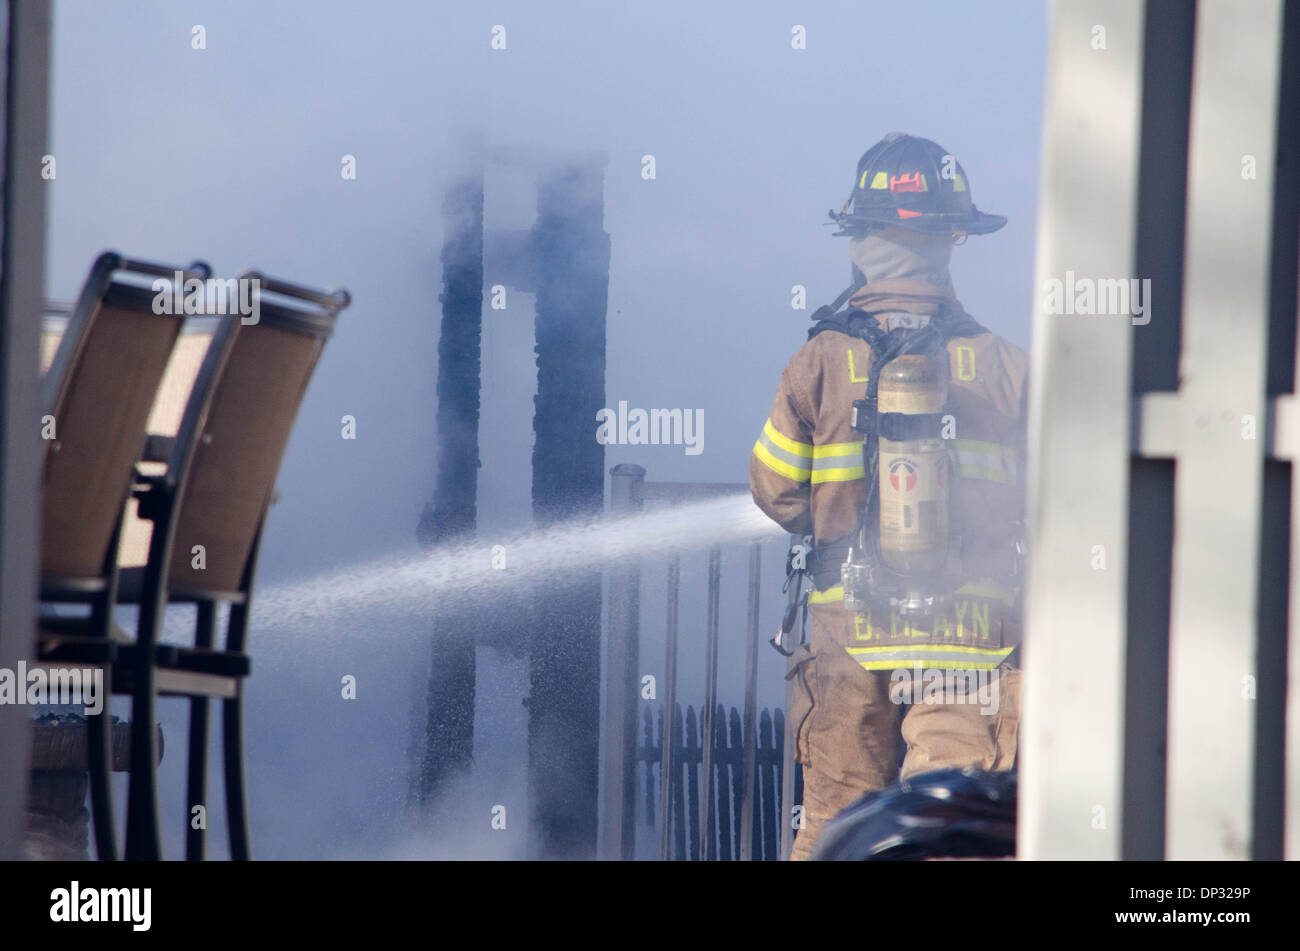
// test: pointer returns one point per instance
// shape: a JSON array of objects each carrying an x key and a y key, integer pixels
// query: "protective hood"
[
  {"x": 907, "y": 277},
  {"x": 908, "y": 255}
]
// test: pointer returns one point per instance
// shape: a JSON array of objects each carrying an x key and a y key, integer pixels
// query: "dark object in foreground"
[{"x": 949, "y": 813}]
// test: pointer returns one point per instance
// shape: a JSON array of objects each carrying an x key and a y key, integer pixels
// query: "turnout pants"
[{"x": 847, "y": 726}]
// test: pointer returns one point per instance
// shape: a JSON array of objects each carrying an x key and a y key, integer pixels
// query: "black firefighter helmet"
[{"x": 907, "y": 181}]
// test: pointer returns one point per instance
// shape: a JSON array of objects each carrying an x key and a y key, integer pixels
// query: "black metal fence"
[
  {"x": 727, "y": 763},
  {"x": 733, "y": 756}
]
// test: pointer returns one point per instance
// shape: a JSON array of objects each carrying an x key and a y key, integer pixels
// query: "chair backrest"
[
  {"x": 98, "y": 393},
  {"x": 256, "y": 375}
]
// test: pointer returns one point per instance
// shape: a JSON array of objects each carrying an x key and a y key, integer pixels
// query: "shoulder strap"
[
  {"x": 849, "y": 321},
  {"x": 957, "y": 323},
  {"x": 949, "y": 322},
  {"x": 827, "y": 310}
]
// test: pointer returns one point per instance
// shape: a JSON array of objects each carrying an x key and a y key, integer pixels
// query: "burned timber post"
[
  {"x": 564, "y": 260},
  {"x": 571, "y": 251},
  {"x": 449, "y": 727}
]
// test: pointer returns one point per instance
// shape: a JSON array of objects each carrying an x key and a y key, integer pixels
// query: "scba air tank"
[{"x": 913, "y": 464}]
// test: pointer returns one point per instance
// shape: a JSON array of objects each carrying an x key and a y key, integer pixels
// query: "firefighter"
[{"x": 868, "y": 672}]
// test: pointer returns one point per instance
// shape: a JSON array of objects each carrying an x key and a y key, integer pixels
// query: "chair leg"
[
  {"x": 232, "y": 736},
  {"x": 143, "y": 835},
  {"x": 197, "y": 787},
  {"x": 99, "y": 746},
  {"x": 99, "y": 742},
  {"x": 143, "y": 839}
]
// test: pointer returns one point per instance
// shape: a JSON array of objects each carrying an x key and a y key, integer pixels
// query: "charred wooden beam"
[
  {"x": 449, "y": 726},
  {"x": 571, "y": 250}
]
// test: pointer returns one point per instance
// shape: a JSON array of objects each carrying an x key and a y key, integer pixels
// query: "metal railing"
[
  {"x": 629, "y": 491},
  {"x": 680, "y": 811}
]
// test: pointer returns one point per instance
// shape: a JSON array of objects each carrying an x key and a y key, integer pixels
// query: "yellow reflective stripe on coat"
[
  {"x": 837, "y": 462},
  {"x": 783, "y": 455},
  {"x": 990, "y": 461},
  {"x": 991, "y": 591},
  {"x": 829, "y": 596},
  {"x": 949, "y": 656},
  {"x": 781, "y": 441}
]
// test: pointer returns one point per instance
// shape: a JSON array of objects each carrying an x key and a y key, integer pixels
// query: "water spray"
[{"x": 416, "y": 583}]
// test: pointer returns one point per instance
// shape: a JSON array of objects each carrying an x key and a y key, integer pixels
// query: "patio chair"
[
  {"x": 95, "y": 401},
  {"x": 219, "y": 479}
]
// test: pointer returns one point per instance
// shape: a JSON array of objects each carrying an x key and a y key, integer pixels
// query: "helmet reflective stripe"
[{"x": 908, "y": 180}]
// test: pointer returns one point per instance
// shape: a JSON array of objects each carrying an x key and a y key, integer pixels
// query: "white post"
[
  {"x": 22, "y": 277},
  {"x": 1212, "y": 670},
  {"x": 1071, "y": 740}
]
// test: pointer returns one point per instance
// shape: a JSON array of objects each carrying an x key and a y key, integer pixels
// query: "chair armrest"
[
  {"x": 58, "y": 589},
  {"x": 145, "y": 482},
  {"x": 72, "y": 649},
  {"x": 152, "y": 492},
  {"x": 158, "y": 448}
]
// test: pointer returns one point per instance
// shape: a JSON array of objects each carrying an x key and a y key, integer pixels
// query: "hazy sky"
[{"x": 233, "y": 154}]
